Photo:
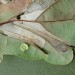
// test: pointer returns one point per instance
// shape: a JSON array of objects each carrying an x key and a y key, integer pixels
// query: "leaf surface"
[
  {"x": 56, "y": 47},
  {"x": 11, "y": 9},
  {"x": 62, "y": 10}
]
